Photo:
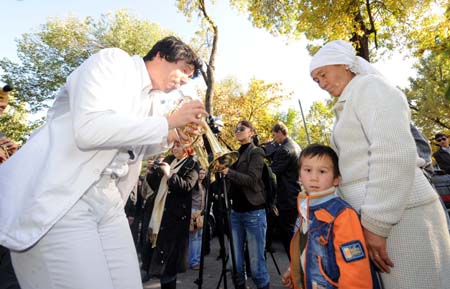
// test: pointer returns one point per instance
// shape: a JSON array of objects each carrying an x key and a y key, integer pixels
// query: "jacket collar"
[{"x": 146, "y": 83}]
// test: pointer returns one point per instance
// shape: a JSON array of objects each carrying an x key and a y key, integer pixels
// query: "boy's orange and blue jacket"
[{"x": 336, "y": 253}]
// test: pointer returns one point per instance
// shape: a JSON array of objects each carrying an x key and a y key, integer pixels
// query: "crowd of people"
[{"x": 362, "y": 207}]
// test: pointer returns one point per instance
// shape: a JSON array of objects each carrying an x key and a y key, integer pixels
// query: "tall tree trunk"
[
  {"x": 362, "y": 39},
  {"x": 362, "y": 46},
  {"x": 211, "y": 74},
  {"x": 210, "y": 70}
]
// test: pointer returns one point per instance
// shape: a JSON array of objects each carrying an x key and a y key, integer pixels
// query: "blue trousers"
[
  {"x": 250, "y": 226},
  {"x": 195, "y": 247}
]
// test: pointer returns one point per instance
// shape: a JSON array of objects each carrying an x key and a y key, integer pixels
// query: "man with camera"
[
  {"x": 8, "y": 278},
  {"x": 7, "y": 147},
  {"x": 68, "y": 213}
]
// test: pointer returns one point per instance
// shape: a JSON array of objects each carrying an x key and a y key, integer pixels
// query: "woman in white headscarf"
[{"x": 403, "y": 221}]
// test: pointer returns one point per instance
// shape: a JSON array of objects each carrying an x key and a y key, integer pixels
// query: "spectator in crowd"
[
  {"x": 68, "y": 213},
  {"x": 8, "y": 279},
  {"x": 442, "y": 155},
  {"x": 133, "y": 210},
  {"x": 149, "y": 197},
  {"x": 7, "y": 147},
  {"x": 248, "y": 215},
  {"x": 285, "y": 166},
  {"x": 195, "y": 235},
  {"x": 403, "y": 222},
  {"x": 168, "y": 230}
]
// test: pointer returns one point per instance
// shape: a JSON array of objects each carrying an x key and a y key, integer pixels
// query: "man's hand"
[
  {"x": 3, "y": 155},
  {"x": 7, "y": 148},
  {"x": 191, "y": 112},
  {"x": 178, "y": 135},
  {"x": 286, "y": 280},
  {"x": 11, "y": 146},
  {"x": 376, "y": 245}
]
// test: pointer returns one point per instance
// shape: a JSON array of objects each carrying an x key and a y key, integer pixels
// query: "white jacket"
[{"x": 103, "y": 107}]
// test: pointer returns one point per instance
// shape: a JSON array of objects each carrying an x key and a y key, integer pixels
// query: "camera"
[
  {"x": 215, "y": 123},
  {"x": 156, "y": 164}
]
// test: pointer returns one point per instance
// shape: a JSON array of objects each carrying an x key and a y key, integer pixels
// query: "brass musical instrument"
[{"x": 221, "y": 156}]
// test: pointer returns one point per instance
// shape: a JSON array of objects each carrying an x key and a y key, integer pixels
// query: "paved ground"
[{"x": 213, "y": 270}]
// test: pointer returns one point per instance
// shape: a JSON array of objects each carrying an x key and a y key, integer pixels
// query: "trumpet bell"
[
  {"x": 222, "y": 157},
  {"x": 225, "y": 159}
]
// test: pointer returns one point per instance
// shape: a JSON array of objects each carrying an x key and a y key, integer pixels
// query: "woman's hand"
[
  {"x": 165, "y": 168},
  {"x": 376, "y": 245},
  {"x": 225, "y": 171},
  {"x": 221, "y": 168},
  {"x": 286, "y": 280}
]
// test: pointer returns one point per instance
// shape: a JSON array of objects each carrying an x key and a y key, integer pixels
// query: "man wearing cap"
[{"x": 442, "y": 155}]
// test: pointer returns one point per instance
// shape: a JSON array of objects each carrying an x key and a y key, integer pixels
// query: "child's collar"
[{"x": 317, "y": 195}]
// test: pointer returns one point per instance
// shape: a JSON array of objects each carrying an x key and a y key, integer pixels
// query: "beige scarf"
[{"x": 160, "y": 202}]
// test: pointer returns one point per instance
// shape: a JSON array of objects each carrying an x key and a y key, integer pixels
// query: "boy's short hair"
[
  {"x": 319, "y": 150},
  {"x": 173, "y": 50}
]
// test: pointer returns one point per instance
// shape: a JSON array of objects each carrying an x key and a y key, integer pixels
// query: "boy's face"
[{"x": 316, "y": 173}]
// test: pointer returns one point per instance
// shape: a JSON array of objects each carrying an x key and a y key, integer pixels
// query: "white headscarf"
[{"x": 341, "y": 52}]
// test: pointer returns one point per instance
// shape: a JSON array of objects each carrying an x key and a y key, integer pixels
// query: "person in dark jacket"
[
  {"x": 248, "y": 215},
  {"x": 285, "y": 166},
  {"x": 8, "y": 279},
  {"x": 168, "y": 228},
  {"x": 442, "y": 155}
]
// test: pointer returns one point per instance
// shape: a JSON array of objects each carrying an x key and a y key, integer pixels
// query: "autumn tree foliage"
[
  {"x": 370, "y": 24},
  {"x": 258, "y": 103}
]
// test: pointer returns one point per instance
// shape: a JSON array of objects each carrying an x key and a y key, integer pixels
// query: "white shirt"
[{"x": 104, "y": 107}]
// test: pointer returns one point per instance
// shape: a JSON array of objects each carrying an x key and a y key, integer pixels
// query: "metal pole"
[{"x": 304, "y": 122}]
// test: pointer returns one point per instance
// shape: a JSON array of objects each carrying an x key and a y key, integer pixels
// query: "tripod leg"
[
  {"x": 275, "y": 263},
  {"x": 206, "y": 215},
  {"x": 227, "y": 217},
  {"x": 221, "y": 236}
]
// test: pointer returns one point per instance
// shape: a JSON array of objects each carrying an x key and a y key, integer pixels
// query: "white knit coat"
[{"x": 380, "y": 179}]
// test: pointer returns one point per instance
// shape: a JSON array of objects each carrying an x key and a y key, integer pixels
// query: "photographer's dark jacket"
[
  {"x": 245, "y": 176},
  {"x": 170, "y": 254},
  {"x": 285, "y": 166}
]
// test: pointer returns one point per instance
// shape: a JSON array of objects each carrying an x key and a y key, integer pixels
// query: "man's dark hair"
[
  {"x": 439, "y": 135},
  {"x": 319, "y": 150},
  {"x": 173, "y": 49},
  {"x": 279, "y": 126}
]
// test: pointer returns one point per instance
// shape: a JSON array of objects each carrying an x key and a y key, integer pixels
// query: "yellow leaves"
[
  {"x": 257, "y": 104},
  {"x": 395, "y": 22}
]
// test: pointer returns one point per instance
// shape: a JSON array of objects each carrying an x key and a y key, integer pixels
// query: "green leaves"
[{"x": 49, "y": 55}]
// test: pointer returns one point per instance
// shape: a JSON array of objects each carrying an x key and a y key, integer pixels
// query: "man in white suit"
[{"x": 62, "y": 193}]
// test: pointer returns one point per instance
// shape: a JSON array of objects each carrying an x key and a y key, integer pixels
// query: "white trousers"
[{"x": 91, "y": 247}]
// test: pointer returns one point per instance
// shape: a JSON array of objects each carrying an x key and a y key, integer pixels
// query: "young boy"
[{"x": 328, "y": 249}]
